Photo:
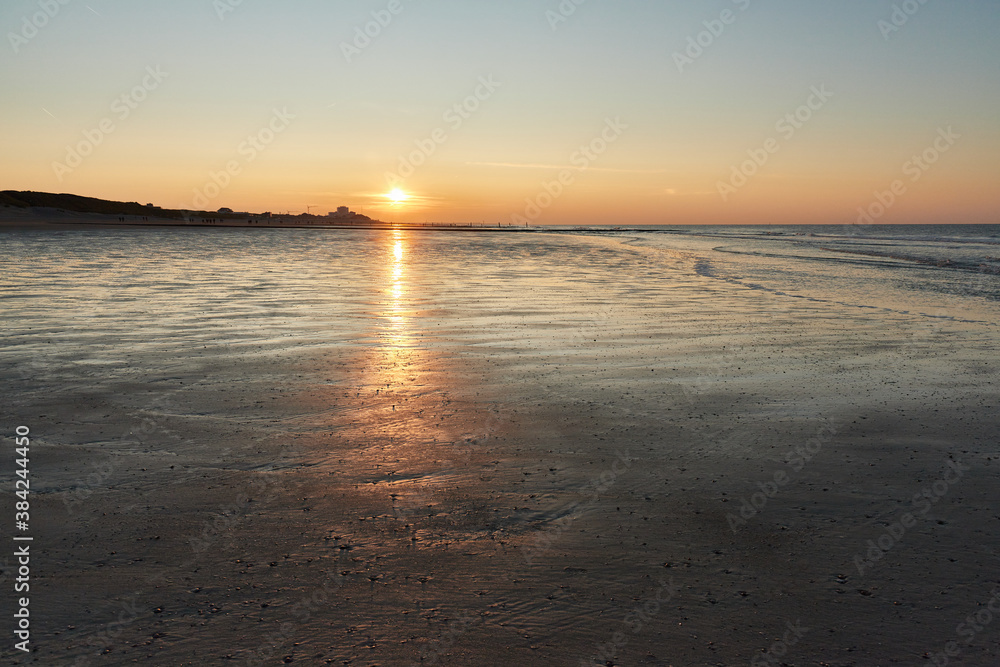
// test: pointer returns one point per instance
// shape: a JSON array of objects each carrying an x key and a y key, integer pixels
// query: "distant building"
[{"x": 341, "y": 212}]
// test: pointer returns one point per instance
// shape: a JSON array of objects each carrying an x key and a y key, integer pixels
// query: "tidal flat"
[{"x": 673, "y": 447}]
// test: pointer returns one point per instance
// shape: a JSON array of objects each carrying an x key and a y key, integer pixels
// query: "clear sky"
[{"x": 336, "y": 119}]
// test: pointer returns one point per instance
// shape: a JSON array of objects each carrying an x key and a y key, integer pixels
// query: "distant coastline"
[{"x": 42, "y": 209}]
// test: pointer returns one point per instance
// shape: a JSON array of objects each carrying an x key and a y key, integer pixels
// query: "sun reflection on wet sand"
[
  {"x": 396, "y": 311},
  {"x": 392, "y": 362},
  {"x": 400, "y": 422},
  {"x": 398, "y": 382},
  {"x": 389, "y": 387}
]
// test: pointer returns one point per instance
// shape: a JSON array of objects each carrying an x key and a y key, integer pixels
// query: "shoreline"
[{"x": 37, "y": 218}]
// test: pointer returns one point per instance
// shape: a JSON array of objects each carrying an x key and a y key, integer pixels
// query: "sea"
[
  {"x": 938, "y": 271},
  {"x": 96, "y": 291}
]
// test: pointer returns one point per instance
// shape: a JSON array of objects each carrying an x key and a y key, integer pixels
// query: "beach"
[
  {"x": 395, "y": 447},
  {"x": 47, "y": 217}
]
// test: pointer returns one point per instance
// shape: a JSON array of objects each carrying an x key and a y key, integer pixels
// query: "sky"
[{"x": 524, "y": 111}]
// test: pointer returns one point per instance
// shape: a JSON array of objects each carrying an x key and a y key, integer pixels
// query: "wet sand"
[{"x": 538, "y": 468}]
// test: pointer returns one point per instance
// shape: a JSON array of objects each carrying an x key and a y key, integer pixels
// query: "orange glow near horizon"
[
  {"x": 611, "y": 131},
  {"x": 952, "y": 192}
]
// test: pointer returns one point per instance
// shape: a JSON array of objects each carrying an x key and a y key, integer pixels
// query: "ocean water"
[
  {"x": 103, "y": 306},
  {"x": 100, "y": 291},
  {"x": 936, "y": 271},
  {"x": 110, "y": 303}
]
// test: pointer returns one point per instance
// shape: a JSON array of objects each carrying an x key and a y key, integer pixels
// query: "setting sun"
[
  {"x": 397, "y": 196},
  {"x": 415, "y": 293}
]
